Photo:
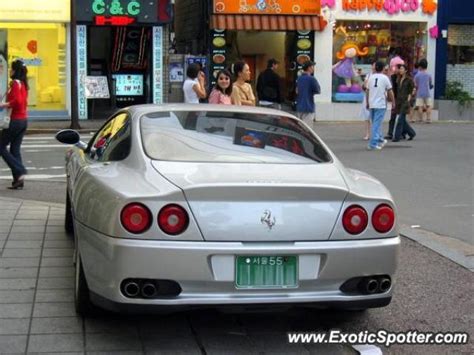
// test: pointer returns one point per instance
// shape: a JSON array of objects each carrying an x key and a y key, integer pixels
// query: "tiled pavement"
[{"x": 37, "y": 312}]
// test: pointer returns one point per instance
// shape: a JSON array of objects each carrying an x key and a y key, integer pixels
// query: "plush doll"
[{"x": 345, "y": 67}]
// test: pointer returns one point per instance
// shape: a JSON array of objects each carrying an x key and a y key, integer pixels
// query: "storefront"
[
  {"x": 39, "y": 36},
  {"x": 361, "y": 32},
  {"x": 256, "y": 31},
  {"x": 455, "y": 56},
  {"x": 119, "y": 54}
]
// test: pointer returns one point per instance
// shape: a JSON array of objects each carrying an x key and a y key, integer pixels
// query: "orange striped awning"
[{"x": 268, "y": 22}]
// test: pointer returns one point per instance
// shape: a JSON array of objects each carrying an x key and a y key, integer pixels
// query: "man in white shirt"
[{"x": 378, "y": 87}]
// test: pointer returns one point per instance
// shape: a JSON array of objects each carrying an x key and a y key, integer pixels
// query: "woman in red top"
[{"x": 17, "y": 101}]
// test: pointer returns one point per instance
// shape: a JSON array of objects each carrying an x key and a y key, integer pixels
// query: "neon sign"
[
  {"x": 390, "y": 6},
  {"x": 116, "y": 7}
]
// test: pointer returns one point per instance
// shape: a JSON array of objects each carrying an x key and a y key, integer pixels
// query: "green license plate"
[{"x": 266, "y": 271}]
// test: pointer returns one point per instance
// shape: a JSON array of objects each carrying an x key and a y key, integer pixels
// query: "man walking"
[
  {"x": 268, "y": 86},
  {"x": 306, "y": 87},
  {"x": 393, "y": 114},
  {"x": 378, "y": 87}
]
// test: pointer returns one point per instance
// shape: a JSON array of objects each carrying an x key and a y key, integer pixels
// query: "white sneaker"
[
  {"x": 378, "y": 147},
  {"x": 382, "y": 144}
]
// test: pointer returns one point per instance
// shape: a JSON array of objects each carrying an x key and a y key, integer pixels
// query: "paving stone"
[
  {"x": 57, "y": 309},
  {"x": 24, "y": 244},
  {"x": 17, "y": 284},
  {"x": 29, "y": 215},
  {"x": 10, "y": 344},
  {"x": 47, "y": 296},
  {"x": 55, "y": 283},
  {"x": 14, "y": 326},
  {"x": 57, "y": 271},
  {"x": 112, "y": 325},
  {"x": 63, "y": 261},
  {"x": 157, "y": 344},
  {"x": 26, "y": 236},
  {"x": 5, "y": 228},
  {"x": 55, "y": 229},
  {"x": 55, "y": 343},
  {"x": 21, "y": 272},
  {"x": 23, "y": 296},
  {"x": 56, "y": 222},
  {"x": 57, "y": 236},
  {"x": 15, "y": 310},
  {"x": 21, "y": 253},
  {"x": 28, "y": 229},
  {"x": 60, "y": 325},
  {"x": 114, "y": 352},
  {"x": 57, "y": 252},
  {"x": 112, "y": 342},
  {"x": 219, "y": 342},
  {"x": 19, "y": 262},
  {"x": 29, "y": 222},
  {"x": 58, "y": 244},
  {"x": 164, "y": 324}
]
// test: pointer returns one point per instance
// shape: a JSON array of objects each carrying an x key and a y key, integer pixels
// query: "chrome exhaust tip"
[
  {"x": 385, "y": 285},
  {"x": 371, "y": 285},
  {"x": 148, "y": 290},
  {"x": 131, "y": 289}
]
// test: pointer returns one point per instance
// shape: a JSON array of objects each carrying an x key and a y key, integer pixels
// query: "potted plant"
[{"x": 457, "y": 104}]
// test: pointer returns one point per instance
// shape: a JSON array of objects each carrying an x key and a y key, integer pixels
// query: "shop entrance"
[
  {"x": 122, "y": 54},
  {"x": 257, "y": 47}
]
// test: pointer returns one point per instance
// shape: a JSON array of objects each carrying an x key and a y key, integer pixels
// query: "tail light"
[
  {"x": 355, "y": 219},
  {"x": 136, "y": 218},
  {"x": 383, "y": 218},
  {"x": 173, "y": 219}
]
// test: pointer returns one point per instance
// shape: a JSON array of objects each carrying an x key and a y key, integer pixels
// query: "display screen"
[{"x": 128, "y": 84}]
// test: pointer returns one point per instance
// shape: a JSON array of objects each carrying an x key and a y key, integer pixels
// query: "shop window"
[
  {"x": 461, "y": 44},
  {"x": 358, "y": 44},
  {"x": 42, "y": 46}
]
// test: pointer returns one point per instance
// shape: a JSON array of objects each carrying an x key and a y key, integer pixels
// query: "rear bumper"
[{"x": 205, "y": 270}]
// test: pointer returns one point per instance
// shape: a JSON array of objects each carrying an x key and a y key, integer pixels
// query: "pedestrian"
[
  {"x": 403, "y": 98},
  {"x": 413, "y": 108},
  {"x": 194, "y": 85},
  {"x": 393, "y": 112},
  {"x": 222, "y": 91},
  {"x": 268, "y": 86},
  {"x": 242, "y": 92},
  {"x": 17, "y": 102},
  {"x": 423, "y": 83},
  {"x": 364, "y": 111},
  {"x": 306, "y": 87},
  {"x": 379, "y": 87}
]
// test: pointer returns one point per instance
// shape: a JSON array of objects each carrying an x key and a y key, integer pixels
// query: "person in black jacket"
[{"x": 268, "y": 86}]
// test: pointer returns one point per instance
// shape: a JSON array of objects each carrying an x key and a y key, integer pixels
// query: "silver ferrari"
[{"x": 204, "y": 205}]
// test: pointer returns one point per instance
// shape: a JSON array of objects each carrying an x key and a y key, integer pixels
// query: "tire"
[
  {"x": 82, "y": 300},
  {"x": 69, "y": 219}
]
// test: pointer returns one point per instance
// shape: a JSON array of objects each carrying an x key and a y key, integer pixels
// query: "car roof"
[{"x": 143, "y": 109}]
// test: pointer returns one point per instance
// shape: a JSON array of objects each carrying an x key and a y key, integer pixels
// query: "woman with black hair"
[
  {"x": 17, "y": 101},
  {"x": 242, "y": 93},
  {"x": 222, "y": 91}
]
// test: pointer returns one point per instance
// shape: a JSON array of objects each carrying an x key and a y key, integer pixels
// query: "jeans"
[
  {"x": 376, "y": 135},
  {"x": 391, "y": 124},
  {"x": 13, "y": 136},
  {"x": 402, "y": 127}
]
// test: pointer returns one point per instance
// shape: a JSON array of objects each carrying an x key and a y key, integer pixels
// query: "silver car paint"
[
  {"x": 100, "y": 190},
  {"x": 205, "y": 270}
]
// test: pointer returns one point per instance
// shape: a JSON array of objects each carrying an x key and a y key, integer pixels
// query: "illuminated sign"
[
  {"x": 121, "y": 12},
  {"x": 157, "y": 84},
  {"x": 81, "y": 40},
  {"x": 30, "y": 10},
  {"x": 267, "y": 7},
  {"x": 390, "y": 6}
]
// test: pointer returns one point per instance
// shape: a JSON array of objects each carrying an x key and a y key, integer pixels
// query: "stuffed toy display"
[{"x": 345, "y": 67}]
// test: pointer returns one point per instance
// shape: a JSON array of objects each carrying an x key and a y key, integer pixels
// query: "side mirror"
[{"x": 70, "y": 136}]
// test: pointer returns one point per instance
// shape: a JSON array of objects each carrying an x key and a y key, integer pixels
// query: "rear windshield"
[{"x": 228, "y": 137}]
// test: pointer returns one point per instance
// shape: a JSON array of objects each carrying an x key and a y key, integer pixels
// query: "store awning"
[{"x": 268, "y": 22}]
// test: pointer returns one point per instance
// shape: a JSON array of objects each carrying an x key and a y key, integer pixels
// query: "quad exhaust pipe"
[
  {"x": 148, "y": 290},
  {"x": 367, "y": 285},
  {"x": 131, "y": 289},
  {"x": 385, "y": 285},
  {"x": 370, "y": 285}
]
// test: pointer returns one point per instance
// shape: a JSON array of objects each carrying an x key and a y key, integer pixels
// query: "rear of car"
[{"x": 248, "y": 208}]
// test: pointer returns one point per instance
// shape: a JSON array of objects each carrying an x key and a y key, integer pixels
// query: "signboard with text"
[
  {"x": 267, "y": 7},
  {"x": 30, "y": 10},
  {"x": 123, "y": 12}
]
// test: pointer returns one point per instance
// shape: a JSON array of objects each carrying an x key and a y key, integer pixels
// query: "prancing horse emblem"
[{"x": 268, "y": 219}]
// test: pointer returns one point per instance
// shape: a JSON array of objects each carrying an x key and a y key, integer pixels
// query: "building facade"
[
  {"x": 40, "y": 37},
  {"x": 121, "y": 50},
  {"x": 455, "y": 55}
]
